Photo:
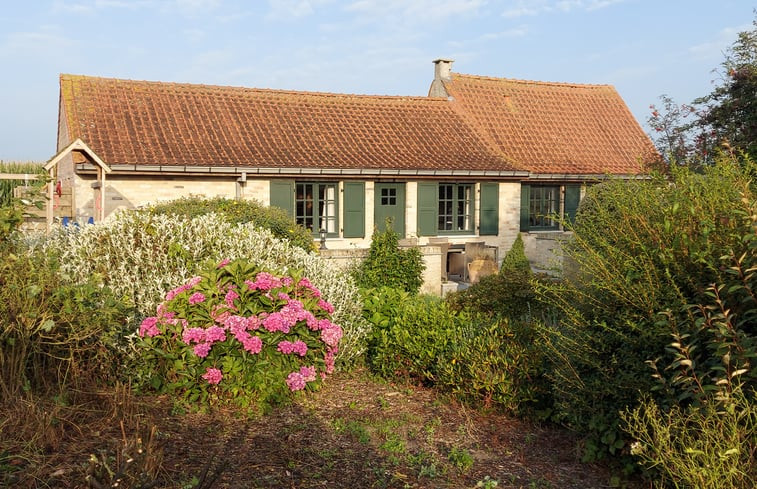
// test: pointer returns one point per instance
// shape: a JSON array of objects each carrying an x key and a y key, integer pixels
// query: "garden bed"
[{"x": 355, "y": 432}]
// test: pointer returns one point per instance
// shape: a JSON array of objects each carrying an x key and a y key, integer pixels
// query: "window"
[
  {"x": 316, "y": 207},
  {"x": 455, "y": 214},
  {"x": 540, "y": 205},
  {"x": 543, "y": 206},
  {"x": 388, "y": 196}
]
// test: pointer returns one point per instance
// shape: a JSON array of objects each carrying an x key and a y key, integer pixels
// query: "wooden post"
[{"x": 50, "y": 202}]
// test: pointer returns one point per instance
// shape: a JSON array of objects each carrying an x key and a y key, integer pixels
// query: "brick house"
[{"x": 478, "y": 160}]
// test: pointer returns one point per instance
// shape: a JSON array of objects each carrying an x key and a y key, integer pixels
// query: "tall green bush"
[
  {"x": 276, "y": 220},
  {"x": 641, "y": 247},
  {"x": 515, "y": 259},
  {"x": 53, "y": 333},
  {"x": 388, "y": 265},
  {"x": 141, "y": 255}
]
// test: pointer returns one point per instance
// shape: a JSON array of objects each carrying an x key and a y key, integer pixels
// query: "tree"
[
  {"x": 724, "y": 120},
  {"x": 730, "y": 111}
]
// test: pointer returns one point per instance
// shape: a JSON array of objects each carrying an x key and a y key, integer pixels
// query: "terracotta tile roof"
[
  {"x": 556, "y": 128},
  {"x": 154, "y": 123}
]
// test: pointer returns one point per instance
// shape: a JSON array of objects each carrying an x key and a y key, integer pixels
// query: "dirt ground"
[{"x": 357, "y": 432}]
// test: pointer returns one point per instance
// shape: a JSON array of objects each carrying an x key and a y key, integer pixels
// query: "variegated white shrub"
[{"x": 141, "y": 256}]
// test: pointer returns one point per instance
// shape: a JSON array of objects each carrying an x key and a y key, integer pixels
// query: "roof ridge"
[
  {"x": 534, "y": 82},
  {"x": 257, "y": 90}
]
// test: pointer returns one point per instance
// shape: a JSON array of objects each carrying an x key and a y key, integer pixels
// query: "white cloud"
[
  {"x": 293, "y": 9},
  {"x": 714, "y": 48},
  {"x": 418, "y": 9},
  {"x": 46, "y": 41},
  {"x": 507, "y": 34},
  {"x": 522, "y": 8}
]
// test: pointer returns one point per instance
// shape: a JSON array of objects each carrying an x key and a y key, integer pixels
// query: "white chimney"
[
  {"x": 442, "y": 69},
  {"x": 442, "y": 73}
]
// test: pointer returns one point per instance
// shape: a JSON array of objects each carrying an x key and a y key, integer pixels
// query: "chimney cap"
[{"x": 443, "y": 60}]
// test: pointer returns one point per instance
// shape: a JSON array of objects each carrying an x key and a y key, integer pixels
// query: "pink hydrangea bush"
[{"x": 241, "y": 332}]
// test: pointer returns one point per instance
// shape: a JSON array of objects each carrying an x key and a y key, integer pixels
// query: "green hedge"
[{"x": 239, "y": 212}]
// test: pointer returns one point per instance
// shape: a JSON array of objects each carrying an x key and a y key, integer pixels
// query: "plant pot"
[{"x": 479, "y": 268}]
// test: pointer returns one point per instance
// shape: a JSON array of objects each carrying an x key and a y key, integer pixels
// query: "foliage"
[
  {"x": 276, "y": 220},
  {"x": 674, "y": 134},
  {"x": 52, "y": 331},
  {"x": 140, "y": 255},
  {"x": 246, "y": 332},
  {"x": 641, "y": 247},
  {"x": 495, "y": 363},
  {"x": 413, "y": 340},
  {"x": 11, "y": 217},
  {"x": 388, "y": 265},
  {"x": 730, "y": 110},
  {"x": 515, "y": 259},
  {"x": 509, "y": 293},
  {"x": 711, "y": 446},
  {"x": 7, "y": 186},
  {"x": 725, "y": 119}
]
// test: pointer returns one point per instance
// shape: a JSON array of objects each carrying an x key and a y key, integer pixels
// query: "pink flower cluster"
[
  {"x": 204, "y": 338},
  {"x": 213, "y": 376},
  {"x": 299, "y": 347},
  {"x": 149, "y": 327},
  {"x": 264, "y": 281},
  {"x": 239, "y": 327},
  {"x": 297, "y": 380},
  {"x": 284, "y": 312},
  {"x": 178, "y": 290}
]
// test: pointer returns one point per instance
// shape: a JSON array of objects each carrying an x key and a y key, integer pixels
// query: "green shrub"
[
  {"x": 53, "y": 333},
  {"x": 641, "y": 247},
  {"x": 497, "y": 363},
  {"x": 487, "y": 362},
  {"x": 415, "y": 339},
  {"x": 276, "y": 220},
  {"x": 239, "y": 332},
  {"x": 141, "y": 255},
  {"x": 515, "y": 259},
  {"x": 388, "y": 265},
  {"x": 709, "y": 447}
]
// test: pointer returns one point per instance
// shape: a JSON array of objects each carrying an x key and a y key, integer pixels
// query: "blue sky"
[{"x": 644, "y": 48}]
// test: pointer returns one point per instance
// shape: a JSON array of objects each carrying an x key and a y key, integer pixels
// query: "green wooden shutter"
[
  {"x": 428, "y": 206},
  {"x": 572, "y": 198},
  {"x": 282, "y": 195},
  {"x": 525, "y": 202},
  {"x": 489, "y": 224},
  {"x": 354, "y": 210}
]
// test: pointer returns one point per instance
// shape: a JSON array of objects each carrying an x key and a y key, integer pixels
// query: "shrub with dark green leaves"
[
  {"x": 239, "y": 212},
  {"x": 415, "y": 339},
  {"x": 388, "y": 265},
  {"x": 515, "y": 259},
  {"x": 494, "y": 363}
]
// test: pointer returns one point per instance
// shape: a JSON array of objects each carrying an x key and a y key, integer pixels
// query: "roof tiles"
[
  {"x": 553, "y": 128},
  {"x": 154, "y": 123}
]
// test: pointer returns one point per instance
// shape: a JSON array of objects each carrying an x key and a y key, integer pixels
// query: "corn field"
[{"x": 7, "y": 186}]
